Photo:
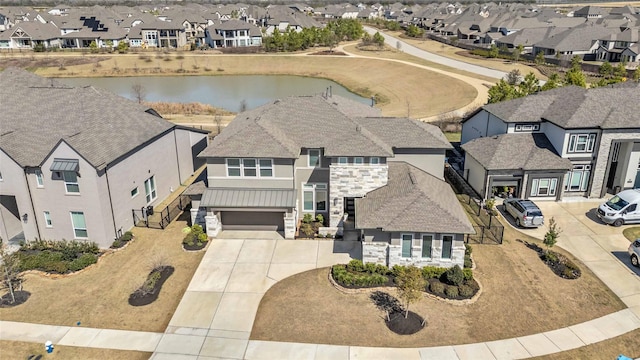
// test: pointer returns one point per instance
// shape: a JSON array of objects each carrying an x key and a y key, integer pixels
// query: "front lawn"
[
  {"x": 632, "y": 233},
  {"x": 520, "y": 296},
  {"x": 98, "y": 297}
]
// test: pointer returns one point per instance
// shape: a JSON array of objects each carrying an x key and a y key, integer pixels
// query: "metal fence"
[
  {"x": 146, "y": 217},
  {"x": 487, "y": 227}
]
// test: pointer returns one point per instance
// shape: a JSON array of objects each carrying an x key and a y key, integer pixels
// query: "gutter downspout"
[
  {"x": 175, "y": 143},
  {"x": 33, "y": 208},
  {"x": 113, "y": 216}
]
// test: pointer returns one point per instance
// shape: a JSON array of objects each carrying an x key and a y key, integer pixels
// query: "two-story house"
[
  {"x": 612, "y": 48},
  {"x": 75, "y": 162},
  {"x": 233, "y": 33},
  {"x": 559, "y": 143},
  {"x": 381, "y": 178}
]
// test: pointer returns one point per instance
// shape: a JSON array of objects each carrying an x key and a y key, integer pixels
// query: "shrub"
[
  {"x": 382, "y": 270},
  {"x": 433, "y": 272},
  {"x": 550, "y": 256},
  {"x": 355, "y": 265},
  {"x": 467, "y": 274},
  {"x": 320, "y": 218},
  {"x": 307, "y": 218},
  {"x": 468, "y": 249},
  {"x": 127, "y": 236},
  {"x": 437, "y": 287},
  {"x": 466, "y": 290},
  {"x": 116, "y": 244},
  {"x": 56, "y": 266},
  {"x": 307, "y": 229},
  {"x": 454, "y": 276},
  {"x": 344, "y": 277},
  {"x": 468, "y": 264},
  {"x": 196, "y": 235},
  {"x": 82, "y": 262},
  {"x": 451, "y": 291}
]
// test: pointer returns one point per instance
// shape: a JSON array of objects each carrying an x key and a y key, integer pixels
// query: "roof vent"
[
  {"x": 412, "y": 178},
  {"x": 358, "y": 128}
]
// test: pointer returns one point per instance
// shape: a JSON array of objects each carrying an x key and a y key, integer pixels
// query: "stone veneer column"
[
  {"x": 213, "y": 224},
  {"x": 602, "y": 160},
  {"x": 352, "y": 181},
  {"x": 289, "y": 226}
]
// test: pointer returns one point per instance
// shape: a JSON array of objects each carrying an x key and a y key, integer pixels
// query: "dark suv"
[{"x": 525, "y": 212}]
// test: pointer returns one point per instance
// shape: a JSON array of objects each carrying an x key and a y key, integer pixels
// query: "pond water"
[{"x": 221, "y": 91}]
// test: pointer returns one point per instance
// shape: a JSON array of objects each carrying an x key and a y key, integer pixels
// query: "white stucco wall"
[
  {"x": 475, "y": 174},
  {"x": 14, "y": 183}
]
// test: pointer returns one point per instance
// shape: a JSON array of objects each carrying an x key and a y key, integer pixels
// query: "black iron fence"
[
  {"x": 487, "y": 227},
  {"x": 147, "y": 217}
]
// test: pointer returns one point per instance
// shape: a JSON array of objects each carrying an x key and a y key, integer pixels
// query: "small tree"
[
  {"x": 539, "y": 59},
  {"x": 122, "y": 47},
  {"x": 606, "y": 69},
  {"x": 411, "y": 284},
  {"x": 378, "y": 39},
  {"x": 517, "y": 51},
  {"x": 493, "y": 51},
  {"x": 139, "y": 92},
  {"x": 513, "y": 77},
  {"x": 551, "y": 237},
  {"x": 11, "y": 275},
  {"x": 93, "y": 46},
  {"x": 636, "y": 74}
]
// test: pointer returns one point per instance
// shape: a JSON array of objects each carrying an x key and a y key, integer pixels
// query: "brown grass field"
[
  {"x": 22, "y": 350},
  {"x": 521, "y": 296}
]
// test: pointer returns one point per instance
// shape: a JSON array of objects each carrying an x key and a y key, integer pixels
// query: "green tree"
[
  {"x": 122, "y": 47},
  {"x": 513, "y": 77},
  {"x": 606, "y": 69},
  {"x": 576, "y": 62},
  {"x": 539, "y": 59},
  {"x": 551, "y": 237},
  {"x": 620, "y": 71},
  {"x": 517, "y": 51},
  {"x": 93, "y": 47},
  {"x": 575, "y": 76},
  {"x": 501, "y": 91},
  {"x": 109, "y": 44},
  {"x": 493, "y": 51},
  {"x": 378, "y": 39},
  {"x": 410, "y": 285},
  {"x": 636, "y": 74},
  {"x": 529, "y": 85},
  {"x": 552, "y": 82},
  {"x": 414, "y": 31}
]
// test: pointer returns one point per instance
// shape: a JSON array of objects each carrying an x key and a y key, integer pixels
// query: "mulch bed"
[
  {"x": 329, "y": 52},
  {"x": 471, "y": 283},
  {"x": 194, "y": 247},
  {"x": 563, "y": 267},
  {"x": 21, "y": 298},
  {"x": 405, "y": 326},
  {"x": 142, "y": 297}
]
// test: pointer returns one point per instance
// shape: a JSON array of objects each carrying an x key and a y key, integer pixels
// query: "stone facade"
[
  {"x": 602, "y": 161},
  {"x": 289, "y": 226},
  {"x": 352, "y": 181},
  {"x": 375, "y": 252},
  {"x": 213, "y": 224},
  {"x": 457, "y": 256}
]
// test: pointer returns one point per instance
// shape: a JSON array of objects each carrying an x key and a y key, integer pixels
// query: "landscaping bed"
[
  {"x": 195, "y": 239},
  {"x": 21, "y": 297},
  {"x": 122, "y": 240},
  {"x": 57, "y": 257},
  {"x": 150, "y": 290}
]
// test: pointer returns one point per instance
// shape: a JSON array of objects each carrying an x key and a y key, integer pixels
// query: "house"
[
  {"x": 26, "y": 35},
  {"x": 578, "y": 40},
  {"x": 372, "y": 178},
  {"x": 233, "y": 33},
  {"x": 565, "y": 142},
  {"x": 75, "y": 162},
  {"x": 612, "y": 48}
]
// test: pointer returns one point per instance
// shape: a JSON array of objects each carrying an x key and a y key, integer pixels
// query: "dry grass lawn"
[
  {"x": 393, "y": 84},
  {"x": 521, "y": 296},
  {"x": 22, "y": 350},
  {"x": 632, "y": 233},
  {"x": 98, "y": 296}
]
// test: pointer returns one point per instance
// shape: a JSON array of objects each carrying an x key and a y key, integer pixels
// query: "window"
[
  {"x": 581, "y": 143},
  {"x": 543, "y": 187},
  {"x": 250, "y": 167},
  {"x": 150, "y": 189},
  {"x": 407, "y": 239},
  {"x": 266, "y": 167},
  {"x": 39, "y": 179},
  {"x": 427, "y": 241},
  {"x": 79, "y": 225},
  {"x": 314, "y": 157},
  {"x": 233, "y": 167},
  {"x": 134, "y": 192},
  {"x": 47, "y": 219},
  {"x": 314, "y": 197},
  {"x": 343, "y": 160},
  {"x": 527, "y": 127},
  {"x": 71, "y": 181},
  {"x": 374, "y": 161},
  {"x": 578, "y": 179},
  {"x": 358, "y": 160},
  {"x": 447, "y": 245}
]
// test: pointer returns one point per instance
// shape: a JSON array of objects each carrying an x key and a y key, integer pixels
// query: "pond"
[{"x": 228, "y": 92}]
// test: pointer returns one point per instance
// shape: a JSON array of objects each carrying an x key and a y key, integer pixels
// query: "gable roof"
[
  {"x": 280, "y": 129},
  {"x": 412, "y": 200},
  {"x": 39, "y": 113},
  {"x": 516, "y": 151}
]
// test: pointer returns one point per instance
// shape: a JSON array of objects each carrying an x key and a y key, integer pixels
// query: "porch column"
[{"x": 213, "y": 224}]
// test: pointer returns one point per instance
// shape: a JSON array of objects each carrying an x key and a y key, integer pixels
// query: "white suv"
[
  {"x": 525, "y": 212},
  {"x": 634, "y": 252}
]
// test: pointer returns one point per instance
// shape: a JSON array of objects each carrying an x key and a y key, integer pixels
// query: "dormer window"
[{"x": 314, "y": 157}]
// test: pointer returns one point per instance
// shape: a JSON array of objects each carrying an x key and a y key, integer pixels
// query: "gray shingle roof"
[
  {"x": 38, "y": 113},
  {"x": 573, "y": 107},
  {"x": 280, "y": 129},
  {"x": 516, "y": 151},
  {"x": 412, "y": 200}
]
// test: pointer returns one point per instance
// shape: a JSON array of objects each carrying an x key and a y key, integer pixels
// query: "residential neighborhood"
[{"x": 453, "y": 181}]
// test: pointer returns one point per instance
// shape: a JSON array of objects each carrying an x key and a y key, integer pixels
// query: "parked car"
[
  {"x": 624, "y": 208},
  {"x": 634, "y": 252},
  {"x": 525, "y": 212}
]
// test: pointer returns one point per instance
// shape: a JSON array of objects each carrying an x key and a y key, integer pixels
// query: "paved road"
[{"x": 412, "y": 50}]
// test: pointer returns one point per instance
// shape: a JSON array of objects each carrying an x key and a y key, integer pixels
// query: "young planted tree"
[
  {"x": 411, "y": 284},
  {"x": 139, "y": 92},
  {"x": 551, "y": 237},
  {"x": 11, "y": 275}
]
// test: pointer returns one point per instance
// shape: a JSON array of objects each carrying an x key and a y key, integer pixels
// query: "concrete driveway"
[{"x": 601, "y": 247}]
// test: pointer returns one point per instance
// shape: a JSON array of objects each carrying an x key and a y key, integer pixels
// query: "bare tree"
[
  {"x": 11, "y": 276},
  {"x": 218, "y": 120},
  {"x": 243, "y": 105},
  {"x": 139, "y": 92}
]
